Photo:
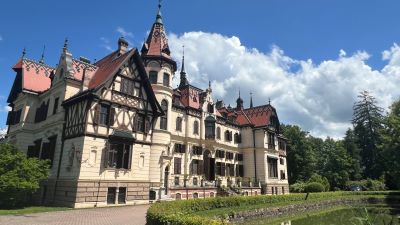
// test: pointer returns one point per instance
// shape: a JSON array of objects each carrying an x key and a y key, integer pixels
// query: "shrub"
[
  {"x": 314, "y": 187},
  {"x": 19, "y": 176},
  {"x": 297, "y": 187},
  {"x": 320, "y": 179}
]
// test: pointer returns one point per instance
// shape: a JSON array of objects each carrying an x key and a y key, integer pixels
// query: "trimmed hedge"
[
  {"x": 314, "y": 187},
  {"x": 181, "y": 212}
]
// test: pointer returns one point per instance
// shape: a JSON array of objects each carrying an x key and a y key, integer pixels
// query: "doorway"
[
  {"x": 209, "y": 166},
  {"x": 166, "y": 178}
]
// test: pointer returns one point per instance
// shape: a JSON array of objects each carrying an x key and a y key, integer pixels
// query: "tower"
[{"x": 160, "y": 68}]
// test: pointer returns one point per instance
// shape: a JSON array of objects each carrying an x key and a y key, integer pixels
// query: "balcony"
[
  {"x": 271, "y": 146},
  {"x": 210, "y": 136}
]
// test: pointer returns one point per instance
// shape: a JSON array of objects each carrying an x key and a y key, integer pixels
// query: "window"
[
  {"x": 111, "y": 195},
  {"x": 104, "y": 114},
  {"x": 195, "y": 195},
  {"x": 122, "y": 195},
  {"x": 178, "y": 196},
  {"x": 55, "y": 107},
  {"x": 153, "y": 77},
  {"x": 176, "y": 181},
  {"x": 180, "y": 148},
  {"x": 119, "y": 155},
  {"x": 228, "y": 135},
  {"x": 166, "y": 80},
  {"x": 281, "y": 144},
  {"x": 283, "y": 175},
  {"x": 220, "y": 154},
  {"x": 218, "y": 133},
  {"x": 177, "y": 165},
  {"x": 196, "y": 127},
  {"x": 220, "y": 168},
  {"x": 127, "y": 86},
  {"x": 210, "y": 127},
  {"x": 283, "y": 190},
  {"x": 48, "y": 149},
  {"x": 239, "y": 171},
  {"x": 272, "y": 167},
  {"x": 14, "y": 117},
  {"x": 179, "y": 124},
  {"x": 197, "y": 150},
  {"x": 271, "y": 140},
  {"x": 140, "y": 123},
  {"x": 237, "y": 138},
  {"x": 195, "y": 181},
  {"x": 41, "y": 112},
  {"x": 163, "y": 118},
  {"x": 196, "y": 167},
  {"x": 210, "y": 108},
  {"x": 229, "y": 155},
  {"x": 34, "y": 150},
  {"x": 211, "y": 194},
  {"x": 230, "y": 168},
  {"x": 282, "y": 161},
  {"x": 239, "y": 157}
]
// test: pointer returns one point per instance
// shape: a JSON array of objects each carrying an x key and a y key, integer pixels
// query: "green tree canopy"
[{"x": 19, "y": 175}]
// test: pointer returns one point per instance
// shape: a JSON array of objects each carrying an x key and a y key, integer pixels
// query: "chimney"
[{"x": 122, "y": 45}]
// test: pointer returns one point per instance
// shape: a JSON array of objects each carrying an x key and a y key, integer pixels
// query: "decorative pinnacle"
[
  {"x": 269, "y": 101},
  {"x": 183, "y": 59},
  {"x": 23, "y": 53},
  {"x": 159, "y": 18},
  {"x": 42, "y": 58},
  {"x": 65, "y": 49}
]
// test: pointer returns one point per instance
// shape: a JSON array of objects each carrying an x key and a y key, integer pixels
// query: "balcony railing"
[{"x": 210, "y": 136}]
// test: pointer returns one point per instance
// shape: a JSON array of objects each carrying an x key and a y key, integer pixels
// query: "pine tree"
[{"x": 367, "y": 121}]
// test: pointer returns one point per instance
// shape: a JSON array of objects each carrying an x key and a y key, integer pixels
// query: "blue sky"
[{"x": 302, "y": 30}]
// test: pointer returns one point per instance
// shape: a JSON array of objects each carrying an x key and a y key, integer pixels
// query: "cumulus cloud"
[{"x": 318, "y": 97}]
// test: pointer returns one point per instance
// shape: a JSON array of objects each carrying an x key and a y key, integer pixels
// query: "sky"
[{"x": 310, "y": 57}]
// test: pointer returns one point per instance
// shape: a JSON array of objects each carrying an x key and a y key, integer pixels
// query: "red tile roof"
[
  {"x": 35, "y": 75},
  {"x": 157, "y": 42}
]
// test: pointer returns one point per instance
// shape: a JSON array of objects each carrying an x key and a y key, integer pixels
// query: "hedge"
[
  {"x": 314, "y": 187},
  {"x": 181, "y": 212}
]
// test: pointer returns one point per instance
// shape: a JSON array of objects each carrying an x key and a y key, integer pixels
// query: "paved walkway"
[{"x": 126, "y": 215}]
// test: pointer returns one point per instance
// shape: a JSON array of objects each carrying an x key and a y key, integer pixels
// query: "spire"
[
  {"x": 23, "y": 53},
  {"x": 239, "y": 102},
  {"x": 184, "y": 80},
  {"x": 251, "y": 100},
  {"x": 159, "y": 17},
  {"x": 41, "y": 61},
  {"x": 269, "y": 101},
  {"x": 65, "y": 48}
]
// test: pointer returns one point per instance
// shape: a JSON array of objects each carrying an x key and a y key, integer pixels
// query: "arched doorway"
[
  {"x": 209, "y": 164},
  {"x": 166, "y": 178}
]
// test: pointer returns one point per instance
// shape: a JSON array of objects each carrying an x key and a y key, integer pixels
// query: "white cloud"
[
  {"x": 318, "y": 97},
  {"x": 124, "y": 33},
  {"x": 105, "y": 43},
  {"x": 5, "y": 109}
]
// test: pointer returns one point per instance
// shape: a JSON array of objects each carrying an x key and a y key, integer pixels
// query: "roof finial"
[
  {"x": 183, "y": 59},
  {"x": 239, "y": 92},
  {"x": 65, "y": 49},
  {"x": 269, "y": 101},
  {"x": 251, "y": 100},
  {"x": 209, "y": 84},
  {"x": 159, "y": 18},
  {"x": 42, "y": 58},
  {"x": 23, "y": 53}
]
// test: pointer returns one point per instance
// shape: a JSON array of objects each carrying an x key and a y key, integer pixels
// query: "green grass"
[{"x": 31, "y": 209}]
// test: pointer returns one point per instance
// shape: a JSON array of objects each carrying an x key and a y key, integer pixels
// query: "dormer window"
[{"x": 210, "y": 108}]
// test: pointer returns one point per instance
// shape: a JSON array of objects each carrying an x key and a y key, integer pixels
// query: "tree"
[
  {"x": 336, "y": 164},
  {"x": 390, "y": 146},
  {"x": 353, "y": 151},
  {"x": 301, "y": 161},
  {"x": 19, "y": 175},
  {"x": 367, "y": 121}
]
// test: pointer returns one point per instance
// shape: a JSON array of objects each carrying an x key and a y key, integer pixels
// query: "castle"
[{"x": 117, "y": 132}]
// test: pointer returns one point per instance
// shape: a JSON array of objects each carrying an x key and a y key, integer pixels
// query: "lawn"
[{"x": 31, "y": 209}]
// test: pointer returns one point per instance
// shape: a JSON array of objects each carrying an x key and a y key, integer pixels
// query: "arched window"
[
  {"x": 196, "y": 127},
  {"x": 178, "y": 123},
  {"x": 228, "y": 136},
  {"x": 178, "y": 196},
  {"x": 195, "y": 195},
  {"x": 211, "y": 194},
  {"x": 218, "y": 133},
  {"x": 237, "y": 138},
  {"x": 163, "y": 118},
  {"x": 166, "y": 79}
]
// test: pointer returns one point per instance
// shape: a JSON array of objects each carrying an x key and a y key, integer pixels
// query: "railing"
[{"x": 210, "y": 136}]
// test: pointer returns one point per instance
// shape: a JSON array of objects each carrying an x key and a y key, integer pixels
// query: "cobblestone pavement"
[{"x": 126, "y": 215}]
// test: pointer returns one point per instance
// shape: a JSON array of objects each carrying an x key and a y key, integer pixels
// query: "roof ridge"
[{"x": 37, "y": 62}]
